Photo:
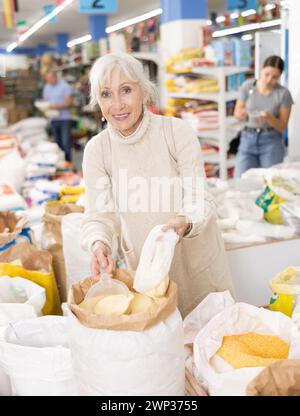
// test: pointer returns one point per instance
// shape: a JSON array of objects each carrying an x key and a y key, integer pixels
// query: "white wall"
[{"x": 294, "y": 77}]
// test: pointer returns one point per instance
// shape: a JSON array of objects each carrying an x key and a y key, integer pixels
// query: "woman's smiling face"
[{"x": 121, "y": 101}]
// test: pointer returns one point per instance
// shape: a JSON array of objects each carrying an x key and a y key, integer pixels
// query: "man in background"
[{"x": 59, "y": 93}]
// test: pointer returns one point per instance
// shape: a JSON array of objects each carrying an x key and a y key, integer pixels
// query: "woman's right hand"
[
  {"x": 240, "y": 111},
  {"x": 101, "y": 259}
]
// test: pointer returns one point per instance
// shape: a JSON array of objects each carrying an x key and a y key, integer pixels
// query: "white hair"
[{"x": 127, "y": 64}]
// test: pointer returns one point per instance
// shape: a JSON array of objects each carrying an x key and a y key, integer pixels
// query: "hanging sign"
[
  {"x": 48, "y": 8},
  {"x": 242, "y": 4},
  {"x": 8, "y": 15},
  {"x": 98, "y": 6},
  {"x": 22, "y": 26}
]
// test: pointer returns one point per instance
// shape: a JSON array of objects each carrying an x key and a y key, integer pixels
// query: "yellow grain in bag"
[{"x": 253, "y": 350}]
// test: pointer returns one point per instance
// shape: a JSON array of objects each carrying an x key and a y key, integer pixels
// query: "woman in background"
[{"x": 265, "y": 105}]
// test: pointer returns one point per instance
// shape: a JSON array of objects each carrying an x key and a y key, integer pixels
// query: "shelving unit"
[{"x": 221, "y": 97}]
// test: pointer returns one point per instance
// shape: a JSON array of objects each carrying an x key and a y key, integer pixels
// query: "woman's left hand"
[{"x": 179, "y": 224}]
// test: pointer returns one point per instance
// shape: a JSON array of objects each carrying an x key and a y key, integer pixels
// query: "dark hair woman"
[{"x": 265, "y": 106}]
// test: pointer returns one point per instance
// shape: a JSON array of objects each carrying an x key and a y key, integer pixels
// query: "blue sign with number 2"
[
  {"x": 241, "y": 4},
  {"x": 98, "y": 6}
]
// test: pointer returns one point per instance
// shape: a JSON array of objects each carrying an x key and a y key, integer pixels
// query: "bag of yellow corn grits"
[
  {"x": 286, "y": 289},
  {"x": 237, "y": 343}
]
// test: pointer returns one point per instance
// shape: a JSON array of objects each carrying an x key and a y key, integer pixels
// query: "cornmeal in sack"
[{"x": 253, "y": 350}]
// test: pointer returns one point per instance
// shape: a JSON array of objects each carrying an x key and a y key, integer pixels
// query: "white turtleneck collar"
[{"x": 134, "y": 137}]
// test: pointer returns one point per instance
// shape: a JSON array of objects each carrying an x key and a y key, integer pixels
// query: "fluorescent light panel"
[
  {"x": 245, "y": 28},
  {"x": 11, "y": 47},
  {"x": 134, "y": 20},
  {"x": 78, "y": 41},
  {"x": 118, "y": 26},
  {"x": 39, "y": 24}
]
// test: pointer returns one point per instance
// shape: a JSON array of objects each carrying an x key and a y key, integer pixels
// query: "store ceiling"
[{"x": 72, "y": 22}]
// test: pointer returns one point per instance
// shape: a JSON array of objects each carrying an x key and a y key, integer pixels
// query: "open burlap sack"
[
  {"x": 10, "y": 227},
  {"x": 278, "y": 379},
  {"x": 52, "y": 238},
  {"x": 136, "y": 322}
]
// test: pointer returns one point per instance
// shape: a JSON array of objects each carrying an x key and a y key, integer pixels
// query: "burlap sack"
[
  {"x": 278, "y": 379},
  {"x": 10, "y": 227},
  {"x": 137, "y": 322},
  {"x": 52, "y": 238}
]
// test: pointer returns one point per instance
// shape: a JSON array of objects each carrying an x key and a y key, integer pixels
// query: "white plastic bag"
[
  {"x": 45, "y": 331},
  {"x": 129, "y": 363},
  {"x": 23, "y": 292},
  {"x": 31, "y": 123},
  {"x": 155, "y": 260},
  {"x": 220, "y": 378},
  {"x": 12, "y": 170},
  {"x": 77, "y": 261},
  {"x": 240, "y": 209},
  {"x": 265, "y": 229},
  {"x": 34, "y": 370},
  {"x": 10, "y": 199}
]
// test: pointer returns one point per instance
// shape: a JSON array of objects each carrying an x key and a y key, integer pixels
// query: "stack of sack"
[
  {"x": 229, "y": 344},
  {"x": 30, "y": 131},
  {"x": 41, "y": 164},
  {"x": 250, "y": 212}
]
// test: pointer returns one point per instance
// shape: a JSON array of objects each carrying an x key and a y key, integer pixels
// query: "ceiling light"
[
  {"x": 248, "y": 12},
  {"x": 11, "y": 47},
  {"x": 133, "y": 21},
  {"x": 245, "y": 28},
  {"x": 78, "y": 41},
  {"x": 39, "y": 24},
  {"x": 44, "y": 20}
]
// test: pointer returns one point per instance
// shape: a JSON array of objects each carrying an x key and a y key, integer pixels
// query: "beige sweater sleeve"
[
  {"x": 99, "y": 220},
  {"x": 198, "y": 204}
]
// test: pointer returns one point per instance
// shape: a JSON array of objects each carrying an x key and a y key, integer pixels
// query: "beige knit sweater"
[
  {"x": 142, "y": 156},
  {"x": 145, "y": 154}
]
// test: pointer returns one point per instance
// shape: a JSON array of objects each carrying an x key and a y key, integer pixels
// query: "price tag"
[
  {"x": 98, "y": 6},
  {"x": 241, "y": 4}
]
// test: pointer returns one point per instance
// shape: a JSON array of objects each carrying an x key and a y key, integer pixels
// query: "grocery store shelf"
[
  {"x": 215, "y": 159},
  {"x": 219, "y": 71},
  {"x": 207, "y": 96}
]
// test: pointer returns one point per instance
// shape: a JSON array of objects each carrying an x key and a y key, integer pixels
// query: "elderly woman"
[{"x": 124, "y": 168}]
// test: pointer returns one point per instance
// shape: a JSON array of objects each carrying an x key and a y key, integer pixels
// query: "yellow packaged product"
[
  {"x": 286, "y": 289},
  {"x": 72, "y": 190},
  {"x": 253, "y": 350}
]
